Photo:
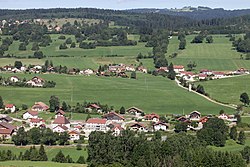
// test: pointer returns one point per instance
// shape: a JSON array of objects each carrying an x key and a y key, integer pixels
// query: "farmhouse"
[
  {"x": 227, "y": 117},
  {"x": 40, "y": 106},
  {"x": 60, "y": 128},
  {"x": 218, "y": 75},
  {"x": 74, "y": 135},
  {"x": 5, "y": 118},
  {"x": 116, "y": 129},
  {"x": 206, "y": 71},
  {"x": 36, "y": 81},
  {"x": 202, "y": 77},
  {"x": 10, "y": 107},
  {"x": 138, "y": 127},
  {"x": 182, "y": 119},
  {"x": 178, "y": 68},
  {"x": 6, "y": 130},
  {"x": 203, "y": 120},
  {"x": 194, "y": 116},
  {"x": 160, "y": 126},
  {"x": 60, "y": 113},
  {"x": 152, "y": 117},
  {"x": 30, "y": 114},
  {"x": 36, "y": 122},
  {"x": 63, "y": 121},
  {"x": 130, "y": 68},
  {"x": 94, "y": 107},
  {"x": 114, "y": 117},
  {"x": 135, "y": 111},
  {"x": 142, "y": 69}
]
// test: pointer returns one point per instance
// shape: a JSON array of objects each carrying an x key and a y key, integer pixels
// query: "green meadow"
[{"x": 150, "y": 93}]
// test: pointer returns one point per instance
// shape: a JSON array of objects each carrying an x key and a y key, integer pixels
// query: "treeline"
[
  {"x": 33, "y": 154},
  {"x": 136, "y": 150},
  {"x": 242, "y": 45}
]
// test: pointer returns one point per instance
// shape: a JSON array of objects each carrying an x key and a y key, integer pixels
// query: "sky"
[{"x": 123, "y": 4}]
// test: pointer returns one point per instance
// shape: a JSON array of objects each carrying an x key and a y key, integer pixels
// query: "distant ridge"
[{"x": 197, "y": 13}]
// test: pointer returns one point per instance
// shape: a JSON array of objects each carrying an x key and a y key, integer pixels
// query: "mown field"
[
  {"x": 228, "y": 90},
  {"x": 150, "y": 93},
  {"x": 38, "y": 164},
  {"x": 51, "y": 151}
]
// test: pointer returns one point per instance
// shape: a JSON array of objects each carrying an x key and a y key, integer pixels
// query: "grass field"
[
  {"x": 228, "y": 90},
  {"x": 51, "y": 151},
  {"x": 232, "y": 146},
  {"x": 150, "y": 93},
  {"x": 38, "y": 164}
]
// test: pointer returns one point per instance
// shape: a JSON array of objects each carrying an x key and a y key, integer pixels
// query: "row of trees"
[{"x": 243, "y": 45}]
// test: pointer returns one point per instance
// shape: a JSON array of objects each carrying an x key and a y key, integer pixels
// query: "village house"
[
  {"x": 61, "y": 120},
  {"x": 160, "y": 126},
  {"x": 241, "y": 71},
  {"x": 30, "y": 114},
  {"x": 5, "y": 118},
  {"x": 182, "y": 119},
  {"x": 163, "y": 69},
  {"x": 203, "y": 120},
  {"x": 74, "y": 135},
  {"x": 93, "y": 106},
  {"x": 135, "y": 111},
  {"x": 8, "y": 68},
  {"x": 178, "y": 68},
  {"x": 36, "y": 122},
  {"x": 116, "y": 129},
  {"x": 40, "y": 106},
  {"x": 113, "y": 117},
  {"x": 60, "y": 128},
  {"x": 87, "y": 72},
  {"x": 130, "y": 68},
  {"x": 202, "y": 77},
  {"x": 117, "y": 68},
  {"x": 206, "y": 71},
  {"x": 60, "y": 113},
  {"x": 95, "y": 124},
  {"x": 139, "y": 127},
  {"x": 226, "y": 117},
  {"x": 152, "y": 117},
  {"x": 218, "y": 75},
  {"x": 194, "y": 116},
  {"x": 14, "y": 79},
  {"x": 10, "y": 107},
  {"x": 36, "y": 81},
  {"x": 142, "y": 69},
  {"x": 6, "y": 130},
  {"x": 16, "y": 70}
]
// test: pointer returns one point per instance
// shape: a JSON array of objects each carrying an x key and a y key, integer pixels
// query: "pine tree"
[
  {"x": 233, "y": 133},
  {"x": 69, "y": 159},
  {"x": 59, "y": 157},
  {"x": 242, "y": 137},
  {"x": 42, "y": 154},
  {"x": 64, "y": 106},
  {"x": 122, "y": 110},
  {"x": 81, "y": 160},
  {"x": 33, "y": 154}
]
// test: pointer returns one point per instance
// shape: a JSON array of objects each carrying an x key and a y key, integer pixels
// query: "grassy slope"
[
  {"x": 228, "y": 90},
  {"x": 38, "y": 164},
  {"x": 152, "y": 94},
  {"x": 50, "y": 151}
]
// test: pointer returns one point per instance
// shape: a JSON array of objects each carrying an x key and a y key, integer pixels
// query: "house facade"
[
  {"x": 30, "y": 115},
  {"x": 10, "y": 107}
]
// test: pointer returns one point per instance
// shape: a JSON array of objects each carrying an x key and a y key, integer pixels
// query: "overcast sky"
[{"x": 123, "y": 4}]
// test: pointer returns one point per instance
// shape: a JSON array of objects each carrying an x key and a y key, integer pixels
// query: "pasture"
[{"x": 150, "y": 93}]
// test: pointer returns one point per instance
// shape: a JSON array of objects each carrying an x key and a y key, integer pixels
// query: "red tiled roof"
[
  {"x": 33, "y": 113},
  {"x": 96, "y": 121},
  {"x": 73, "y": 132},
  {"x": 40, "y": 105},
  {"x": 141, "y": 125},
  {"x": 94, "y": 106},
  {"x": 4, "y": 125},
  {"x": 6, "y": 131},
  {"x": 187, "y": 73},
  {"x": 9, "y": 105},
  {"x": 61, "y": 126},
  {"x": 135, "y": 108},
  {"x": 205, "y": 70},
  {"x": 218, "y": 73},
  {"x": 151, "y": 116},
  {"x": 61, "y": 120},
  {"x": 202, "y": 75},
  {"x": 36, "y": 120},
  {"x": 60, "y": 112},
  {"x": 178, "y": 67}
]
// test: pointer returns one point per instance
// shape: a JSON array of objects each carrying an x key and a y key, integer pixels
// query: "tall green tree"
[
  {"x": 133, "y": 75},
  {"x": 244, "y": 98},
  {"x": 242, "y": 137},
  {"x": 18, "y": 64},
  {"x": 122, "y": 110},
  {"x": 246, "y": 154},
  {"x": 81, "y": 160},
  {"x": 54, "y": 103},
  {"x": 209, "y": 39},
  {"x": 1, "y": 103},
  {"x": 64, "y": 106},
  {"x": 59, "y": 157},
  {"x": 42, "y": 156},
  {"x": 233, "y": 133},
  {"x": 21, "y": 137},
  {"x": 34, "y": 135}
]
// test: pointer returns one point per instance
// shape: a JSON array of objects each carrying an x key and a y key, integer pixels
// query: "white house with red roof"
[
  {"x": 138, "y": 127},
  {"x": 160, "y": 126},
  {"x": 62, "y": 120},
  {"x": 60, "y": 128},
  {"x": 218, "y": 75},
  {"x": 94, "y": 107},
  {"x": 40, "y": 106},
  {"x": 130, "y": 68},
  {"x": 30, "y": 114},
  {"x": 179, "y": 68},
  {"x": 135, "y": 111},
  {"x": 36, "y": 81},
  {"x": 142, "y": 69},
  {"x": 95, "y": 124},
  {"x": 36, "y": 122},
  {"x": 202, "y": 76},
  {"x": 10, "y": 107},
  {"x": 59, "y": 113},
  {"x": 194, "y": 116},
  {"x": 74, "y": 135},
  {"x": 227, "y": 117},
  {"x": 152, "y": 117},
  {"x": 114, "y": 117},
  {"x": 206, "y": 71},
  {"x": 116, "y": 129}
]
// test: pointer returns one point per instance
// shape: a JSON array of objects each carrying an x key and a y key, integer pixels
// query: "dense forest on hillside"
[{"x": 136, "y": 21}]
